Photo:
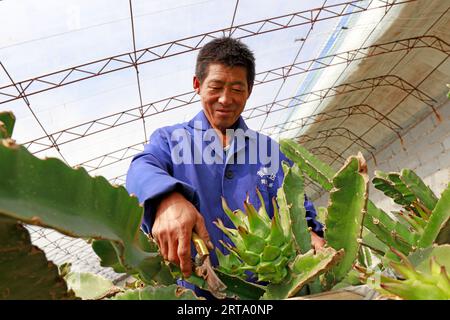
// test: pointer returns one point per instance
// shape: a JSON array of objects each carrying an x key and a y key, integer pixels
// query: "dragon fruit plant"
[
  {"x": 278, "y": 250},
  {"x": 48, "y": 193},
  {"x": 422, "y": 225},
  {"x": 421, "y": 276}
]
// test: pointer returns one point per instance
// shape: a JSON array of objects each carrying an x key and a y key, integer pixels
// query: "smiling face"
[{"x": 223, "y": 93}]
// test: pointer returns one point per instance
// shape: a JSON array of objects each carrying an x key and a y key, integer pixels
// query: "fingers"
[
  {"x": 172, "y": 254},
  {"x": 200, "y": 228},
  {"x": 184, "y": 254},
  {"x": 163, "y": 245},
  {"x": 175, "y": 247}
]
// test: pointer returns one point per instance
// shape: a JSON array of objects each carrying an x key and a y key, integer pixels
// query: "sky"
[{"x": 41, "y": 37}]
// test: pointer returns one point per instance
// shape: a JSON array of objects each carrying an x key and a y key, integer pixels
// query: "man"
[{"x": 186, "y": 168}]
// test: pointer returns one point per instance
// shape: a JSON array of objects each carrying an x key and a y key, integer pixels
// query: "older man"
[{"x": 186, "y": 168}]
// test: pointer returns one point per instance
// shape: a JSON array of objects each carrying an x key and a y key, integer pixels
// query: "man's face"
[{"x": 223, "y": 93}]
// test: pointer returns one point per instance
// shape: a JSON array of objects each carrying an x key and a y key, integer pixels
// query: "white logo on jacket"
[{"x": 267, "y": 176}]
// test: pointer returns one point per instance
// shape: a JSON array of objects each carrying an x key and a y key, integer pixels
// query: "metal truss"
[
  {"x": 347, "y": 57},
  {"x": 169, "y": 49},
  {"x": 312, "y": 185},
  {"x": 320, "y": 95},
  {"x": 340, "y": 132},
  {"x": 128, "y": 116},
  {"x": 327, "y": 152},
  {"x": 111, "y": 121},
  {"x": 359, "y": 109},
  {"x": 112, "y": 157},
  {"x": 443, "y": 49},
  {"x": 119, "y": 180}
]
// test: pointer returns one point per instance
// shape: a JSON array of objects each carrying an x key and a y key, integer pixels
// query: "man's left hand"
[{"x": 317, "y": 242}]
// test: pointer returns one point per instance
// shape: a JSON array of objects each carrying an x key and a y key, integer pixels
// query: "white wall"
[{"x": 426, "y": 150}]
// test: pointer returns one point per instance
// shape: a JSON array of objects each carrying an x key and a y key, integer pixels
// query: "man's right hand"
[{"x": 175, "y": 219}]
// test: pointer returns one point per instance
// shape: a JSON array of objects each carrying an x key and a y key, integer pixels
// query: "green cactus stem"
[
  {"x": 290, "y": 198},
  {"x": 304, "y": 269},
  {"x": 7, "y": 121},
  {"x": 434, "y": 285},
  {"x": 172, "y": 292},
  {"x": 322, "y": 174},
  {"x": 25, "y": 272},
  {"x": 438, "y": 219},
  {"x": 309, "y": 164},
  {"x": 348, "y": 203},
  {"x": 426, "y": 199},
  {"x": 89, "y": 286},
  {"x": 48, "y": 193}
]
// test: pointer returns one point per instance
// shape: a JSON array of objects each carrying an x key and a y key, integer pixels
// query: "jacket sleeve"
[
  {"x": 311, "y": 213},
  {"x": 150, "y": 177}
]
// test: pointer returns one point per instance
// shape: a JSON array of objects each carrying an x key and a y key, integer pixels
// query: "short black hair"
[{"x": 229, "y": 52}]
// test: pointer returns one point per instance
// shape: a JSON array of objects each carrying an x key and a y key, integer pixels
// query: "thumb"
[{"x": 200, "y": 229}]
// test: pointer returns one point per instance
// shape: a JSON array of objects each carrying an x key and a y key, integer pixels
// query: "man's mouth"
[{"x": 224, "y": 111}]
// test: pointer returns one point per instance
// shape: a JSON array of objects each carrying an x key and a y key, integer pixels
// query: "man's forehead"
[
  {"x": 216, "y": 72},
  {"x": 220, "y": 67}
]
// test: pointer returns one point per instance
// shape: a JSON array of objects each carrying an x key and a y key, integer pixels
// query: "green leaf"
[
  {"x": 234, "y": 216},
  {"x": 392, "y": 233},
  {"x": 305, "y": 268},
  {"x": 108, "y": 255},
  {"x": 257, "y": 225},
  {"x": 308, "y": 163},
  {"x": 421, "y": 258},
  {"x": 25, "y": 272},
  {"x": 348, "y": 201},
  {"x": 7, "y": 121},
  {"x": 262, "y": 212},
  {"x": 444, "y": 235},
  {"x": 48, "y": 193},
  {"x": 370, "y": 240},
  {"x": 393, "y": 187},
  {"x": 416, "y": 291},
  {"x": 88, "y": 286},
  {"x": 437, "y": 220},
  {"x": 420, "y": 190},
  {"x": 351, "y": 279},
  {"x": 172, "y": 292},
  {"x": 290, "y": 198},
  {"x": 240, "y": 289},
  {"x": 377, "y": 221},
  {"x": 322, "y": 214},
  {"x": 229, "y": 263}
]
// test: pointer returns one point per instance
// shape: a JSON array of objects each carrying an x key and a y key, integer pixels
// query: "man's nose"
[{"x": 225, "y": 97}]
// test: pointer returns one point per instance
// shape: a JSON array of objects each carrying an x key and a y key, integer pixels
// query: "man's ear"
[
  {"x": 196, "y": 84},
  {"x": 249, "y": 92}
]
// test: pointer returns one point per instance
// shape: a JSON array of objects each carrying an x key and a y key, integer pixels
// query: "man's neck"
[{"x": 226, "y": 140}]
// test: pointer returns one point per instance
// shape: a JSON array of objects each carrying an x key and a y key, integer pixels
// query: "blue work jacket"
[{"x": 233, "y": 174}]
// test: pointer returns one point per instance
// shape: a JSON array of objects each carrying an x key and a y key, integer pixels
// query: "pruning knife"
[{"x": 204, "y": 269}]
